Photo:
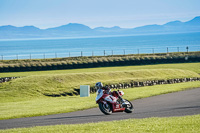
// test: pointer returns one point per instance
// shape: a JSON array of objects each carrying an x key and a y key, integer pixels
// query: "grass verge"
[
  {"x": 185, "y": 124},
  {"x": 26, "y": 107},
  {"x": 183, "y": 66}
]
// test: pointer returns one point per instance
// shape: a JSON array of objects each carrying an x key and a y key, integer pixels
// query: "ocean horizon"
[{"x": 43, "y": 48}]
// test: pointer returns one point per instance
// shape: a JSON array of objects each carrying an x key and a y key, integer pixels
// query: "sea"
[{"x": 98, "y": 46}]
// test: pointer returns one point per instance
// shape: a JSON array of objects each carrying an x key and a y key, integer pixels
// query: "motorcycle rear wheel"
[
  {"x": 105, "y": 108},
  {"x": 129, "y": 108}
]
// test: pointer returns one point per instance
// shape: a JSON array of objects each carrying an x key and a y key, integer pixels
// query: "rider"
[{"x": 99, "y": 85}]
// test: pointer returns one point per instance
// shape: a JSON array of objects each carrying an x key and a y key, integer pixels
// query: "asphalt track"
[{"x": 172, "y": 104}]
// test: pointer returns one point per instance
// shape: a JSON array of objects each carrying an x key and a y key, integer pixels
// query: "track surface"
[{"x": 172, "y": 104}]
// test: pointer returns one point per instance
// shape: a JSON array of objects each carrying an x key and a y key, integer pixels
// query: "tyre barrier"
[
  {"x": 6, "y": 79},
  {"x": 131, "y": 84}
]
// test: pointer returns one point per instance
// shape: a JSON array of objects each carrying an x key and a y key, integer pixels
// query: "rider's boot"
[{"x": 122, "y": 101}]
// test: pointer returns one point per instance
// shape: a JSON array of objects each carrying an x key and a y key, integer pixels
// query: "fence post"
[
  {"x": 124, "y": 52},
  {"x": 187, "y": 48},
  {"x": 153, "y": 50},
  {"x": 138, "y": 51},
  {"x": 55, "y": 55},
  {"x": 69, "y": 54},
  {"x": 112, "y": 52},
  {"x": 17, "y": 56},
  {"x": 92, "y": 53},
  {"x": 44, "y": 55},
  {"x": 81, "y": 53},
  {"x": 167, "y": 50},
  {"x": 2, "y": 57},
  {"x": 104, "y": 52},
  {"x": 177, "y": 49},
  {"x": 30, "y": 56}
]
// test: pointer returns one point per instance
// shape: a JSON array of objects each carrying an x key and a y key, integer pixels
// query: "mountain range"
[{"x": 80, "y": 30}]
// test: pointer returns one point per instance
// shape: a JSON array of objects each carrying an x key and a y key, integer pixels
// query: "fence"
[
  {"x": 100, "y": 62},
  {"x": 101, "y": 52}
]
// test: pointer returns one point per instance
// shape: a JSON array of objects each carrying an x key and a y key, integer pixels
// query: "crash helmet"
[{"x": 98, "y": 85}]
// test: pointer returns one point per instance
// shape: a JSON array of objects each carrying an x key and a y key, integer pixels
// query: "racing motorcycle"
[{"x": 110, "y": 103}]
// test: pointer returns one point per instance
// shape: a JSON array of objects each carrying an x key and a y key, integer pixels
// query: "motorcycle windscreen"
[{"x": 99, "y": 94}]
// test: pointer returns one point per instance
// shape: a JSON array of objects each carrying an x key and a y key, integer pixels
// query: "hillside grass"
[
  {"x": 39, "y": 85},
  {"x": 184, "y": 124},
  {"x": 17, "y": 107},
  {"x": 195, "y": 67}
]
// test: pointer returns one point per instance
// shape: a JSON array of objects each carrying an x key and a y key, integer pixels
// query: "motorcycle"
[{"x": 111, "y": 103}]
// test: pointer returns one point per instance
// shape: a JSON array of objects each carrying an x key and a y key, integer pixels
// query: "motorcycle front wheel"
[
  {"x": 129, "y": 107},
  {"x": 105, "y": 108}
]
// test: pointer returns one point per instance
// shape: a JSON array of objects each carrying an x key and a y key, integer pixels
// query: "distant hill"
[
  {"x": 12, "y": 32},
  {"x": 171, "y": 27},
  {"x": 77, "y": 30},
  {"x": 106, "y": 29},
  {"x": 70, "y": 27}
]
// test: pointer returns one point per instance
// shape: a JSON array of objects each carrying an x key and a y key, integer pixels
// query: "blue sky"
[{"x": 95, "y": 13}]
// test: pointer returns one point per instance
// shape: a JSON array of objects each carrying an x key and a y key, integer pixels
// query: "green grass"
[
  {"x": 184, "y": 66},
  {"x": 184, "y": 124},
  {"x": 17, "y": 107},
  {"x": 65, "y": 83},
  {"x": 24, "y": 97}
]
